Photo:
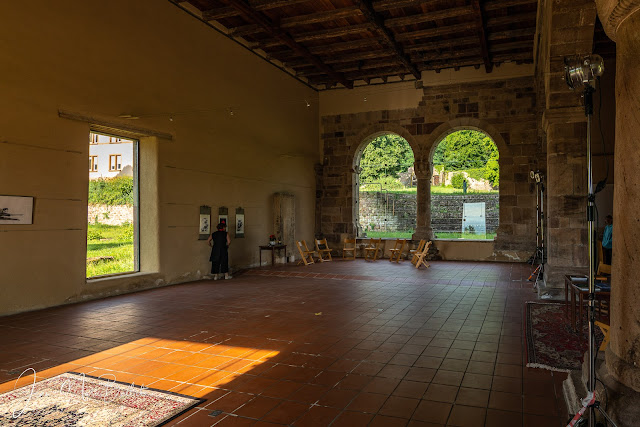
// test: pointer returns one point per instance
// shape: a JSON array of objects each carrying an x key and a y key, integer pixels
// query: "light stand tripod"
[
  {"x": 538, "y": 256},
  {"x": 582, "y": 72}
]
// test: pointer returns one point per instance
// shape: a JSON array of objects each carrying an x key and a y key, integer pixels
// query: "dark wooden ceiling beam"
[
  {"x": 511, "y": 19},
  {"x": 331, "y": 48},
  {"x": 502, "y": 4},
  {"x": 261, "y": 19},
  {"x": 388, "y": 38},
  {"x": 502, "y": 47},
  {"x": 441, "y": 44},
  {"x": 323, "y": 34},
  {"x": 295, "y": 63},
  {"x": 296, "y": 21},
  {"x": 511, "y": 34},
  {"x": 479, "y": 21},
  {"x": 428, "y": 16},
  {"x": 435, "y": 32},
  {"x": 382, "y": 5},
  {"x": 259, "y": 5}
]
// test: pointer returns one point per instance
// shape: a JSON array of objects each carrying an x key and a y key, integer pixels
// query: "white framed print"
[{"x": 16, "y": 210}]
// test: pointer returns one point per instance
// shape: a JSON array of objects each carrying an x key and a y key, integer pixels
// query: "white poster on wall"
[
  {"x": 474, "y": 218},
  {"x": 16, "y": 210}
]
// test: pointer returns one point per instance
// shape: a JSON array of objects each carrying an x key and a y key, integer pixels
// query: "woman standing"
[{"x": 219, "y": 242}]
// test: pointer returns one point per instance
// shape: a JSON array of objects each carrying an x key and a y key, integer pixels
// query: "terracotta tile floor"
[{"x": 347, "y": 343}]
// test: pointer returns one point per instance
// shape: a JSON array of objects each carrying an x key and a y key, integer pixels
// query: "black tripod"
[{"x": 538, "y": 256}]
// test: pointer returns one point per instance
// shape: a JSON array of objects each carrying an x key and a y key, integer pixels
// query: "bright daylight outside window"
[
  {"x": 112, "y": 243},
  {"x": 464, "y": 187},
  {"x": 387, "y": 189}
]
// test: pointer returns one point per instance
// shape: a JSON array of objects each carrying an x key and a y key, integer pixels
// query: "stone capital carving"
[
  {"x": 613, "y": 12},
  {"x": 422, "y": 169}
]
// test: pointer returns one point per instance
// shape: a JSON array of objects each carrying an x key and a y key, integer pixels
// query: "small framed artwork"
[
  {"x": 223, "y": 216},
  {"x": 16, "y": 210},
  {"x": 205, "y": 223},
  {"x": 239, "y": 223}
]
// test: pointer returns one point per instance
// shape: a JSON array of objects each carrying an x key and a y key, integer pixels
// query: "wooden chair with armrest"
[
  {"x": 324, "y": 253},
  {"x": 305, "y": 254},
  {"x": 419, "y": 257},
  {"x": 372, "y": 251},
  {"x": 349, "y": 247},
  {"x": 396, "y": 252}
]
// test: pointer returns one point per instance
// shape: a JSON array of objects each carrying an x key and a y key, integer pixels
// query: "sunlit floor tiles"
[{"x": 343, "y": 343}]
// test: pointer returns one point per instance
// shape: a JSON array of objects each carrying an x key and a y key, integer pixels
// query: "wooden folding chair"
[
  {"x": 349, "y": 246},
  {"x": 420, "y": 247},
  {"x": 602, "y": 270},
  {"x": 396, "y": 252},
  {"x": 372, "y": 249},
  {"x": 305, "y": 254},
  {"x": 605, "y": 331},
  {"x": 419, "y": 257},
  {"x": 324, "y": 253}
]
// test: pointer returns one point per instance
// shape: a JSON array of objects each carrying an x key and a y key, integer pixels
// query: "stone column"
[
  {"x": 423, "y": 173},
  {"x": 566, "y": 194},
  {"x": 621, "y": 21}
]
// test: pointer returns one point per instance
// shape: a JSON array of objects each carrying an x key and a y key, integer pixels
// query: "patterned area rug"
[
  {"x": 72, "y": 399},
  {"x": 551, "y": 343}
]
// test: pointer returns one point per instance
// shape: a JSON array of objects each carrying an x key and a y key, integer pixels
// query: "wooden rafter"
[
  {"x": 501, "y": 4},
  {"x": 435, "y": 32},
  {"x": 259, "y": 5},
  {"x": 441, "y": 44},
  {"x": 323, "y": 34},
  {"x": 428, "y": 17},
  {"x": 387, "y": 36},
  {"x": 479, "y": 21},
  {"x": 330, "y": 48},
  {"x": 262, "y": 20},
  {"x": 300, "y": 20}
]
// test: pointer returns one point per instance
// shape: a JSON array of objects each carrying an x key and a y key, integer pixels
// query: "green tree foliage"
[
  {"x": 457, "y": 180},
  {"x": 471, "y": 151},
  {"x": 111, "y": 191},
  {"x": 492, "y": 173},
  {"x": 385, "y": 156},
  {"x": 465, "y": 149}
]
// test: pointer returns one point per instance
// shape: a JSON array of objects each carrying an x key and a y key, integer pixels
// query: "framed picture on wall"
[
  {"x": 16, "y": 210},
  {"x": 205, "y": 223},
  {"x": 239, "y": 223}
]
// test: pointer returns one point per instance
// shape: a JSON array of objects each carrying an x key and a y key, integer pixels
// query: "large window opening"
[
  {"x": 465, "y": 187},
  {"x": 386, "y": 189},
  {"x": 112, "y": 220}
]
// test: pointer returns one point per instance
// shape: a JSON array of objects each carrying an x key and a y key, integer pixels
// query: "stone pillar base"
[{"x": 422, "y": 233}]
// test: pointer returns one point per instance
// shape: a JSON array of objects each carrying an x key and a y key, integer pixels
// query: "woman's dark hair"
[{"x": 221, "y": 226}]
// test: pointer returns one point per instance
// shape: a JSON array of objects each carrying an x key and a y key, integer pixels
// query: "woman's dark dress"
[{"x": 219, "y": 256}]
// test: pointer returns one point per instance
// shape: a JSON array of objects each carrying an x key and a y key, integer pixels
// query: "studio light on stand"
[
  {"x": 538, "y": 256},
  {"x": 580, "y": 73}
]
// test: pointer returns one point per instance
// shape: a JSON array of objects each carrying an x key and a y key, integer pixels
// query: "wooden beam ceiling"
[
  {"x": 479, "y": 18},
  {"x": 260, "y": 19},
  {"x": 387, "y": 36}
]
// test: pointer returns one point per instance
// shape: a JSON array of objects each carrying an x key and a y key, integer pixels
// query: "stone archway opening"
[
  {"x": 385, "y": 187},
  {"x": 465, "y": 186}
]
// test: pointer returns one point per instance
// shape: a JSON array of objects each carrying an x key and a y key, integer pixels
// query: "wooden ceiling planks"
[{"x": 330, "y": 42}]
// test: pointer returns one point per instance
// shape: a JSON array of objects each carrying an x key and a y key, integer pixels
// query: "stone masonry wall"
[
  {"x": 505, "y": 109},
  {"x": 397, "y": 212},
  {"x": 110, "y": 215}
]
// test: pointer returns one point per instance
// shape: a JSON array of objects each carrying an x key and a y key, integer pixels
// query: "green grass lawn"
[
  {"x": 441, "y": 235},
  {"x": 437, "y": 235},
  {"x": 109, "y": 240},
  {"x": 389, "y": 234}
]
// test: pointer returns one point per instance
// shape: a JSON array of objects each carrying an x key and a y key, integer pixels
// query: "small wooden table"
[
  {"x": 273, "y": 248},
  {"x": 578, "y": 291}
]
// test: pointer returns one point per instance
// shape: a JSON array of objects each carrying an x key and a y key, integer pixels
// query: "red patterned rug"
[
  {"x": 72, "y": 399},
  {"x": 551, "y": 343}
]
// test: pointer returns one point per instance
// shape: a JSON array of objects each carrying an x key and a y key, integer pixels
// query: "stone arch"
[
  {"x": 356, "y": 148},
  {"x": 468, "y": 123}
]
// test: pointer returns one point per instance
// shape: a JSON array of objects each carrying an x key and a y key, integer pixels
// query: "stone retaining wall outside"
[
  {"x": 397, "y": 212},
  {"x": 110, "y": 215}
]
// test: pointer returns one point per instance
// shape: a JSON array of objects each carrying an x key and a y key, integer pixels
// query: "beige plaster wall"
[{"x": 152, "y": 60}]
